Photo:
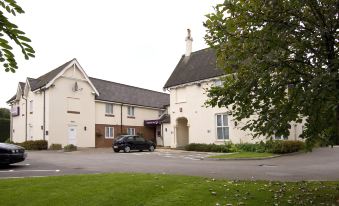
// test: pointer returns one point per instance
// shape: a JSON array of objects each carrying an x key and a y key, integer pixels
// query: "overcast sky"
[{"x": 132, "y": 42}]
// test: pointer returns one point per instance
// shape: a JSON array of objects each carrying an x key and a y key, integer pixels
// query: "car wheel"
[
  {"x": 116, "y": 150},
  {"x": 151, "y": 148},
  {"x": 127, "y": 149}
]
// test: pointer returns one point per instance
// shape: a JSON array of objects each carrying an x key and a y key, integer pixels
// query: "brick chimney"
[{"x": 189, "y": 41}]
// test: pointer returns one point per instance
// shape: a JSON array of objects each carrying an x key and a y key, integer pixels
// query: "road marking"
[{"x": 30, "y": 171}]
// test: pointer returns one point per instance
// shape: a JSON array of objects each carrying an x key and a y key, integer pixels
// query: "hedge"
[
  {"x": 4, "y": 129},
  {"x": 272, "y": 146},
  {"x": 55, "y": 147},
  {"x": 34, "y": 145},
  {"x": 209, "y": 147},
  {"x": 70, "y": 148}
]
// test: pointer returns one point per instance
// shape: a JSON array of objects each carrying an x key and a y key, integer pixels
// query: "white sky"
[{"x": 132, "y": 42}]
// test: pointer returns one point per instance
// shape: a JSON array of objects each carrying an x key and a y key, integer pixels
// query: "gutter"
[
  {"x": 44, "y": 116},
  {"x": 121, "y": 118}
]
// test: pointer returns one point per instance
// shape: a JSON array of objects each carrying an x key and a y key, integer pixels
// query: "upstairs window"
[
  {"x": 31, "y": 106},
  {"x": 222, "y": 127},
  {"x": 109, "y": 109},
  {"x": 130, "y": 111}
]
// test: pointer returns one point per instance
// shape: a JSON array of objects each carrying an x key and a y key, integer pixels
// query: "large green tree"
[
  {"x": 281, "y": 57},
  {"x": 10, "y": 31}
]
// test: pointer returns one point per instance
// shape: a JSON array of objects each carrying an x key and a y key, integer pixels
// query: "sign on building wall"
[{"x": 15, "y": 111}]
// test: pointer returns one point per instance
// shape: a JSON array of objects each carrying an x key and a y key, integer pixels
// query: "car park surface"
[{"x": 321, "y": 164}]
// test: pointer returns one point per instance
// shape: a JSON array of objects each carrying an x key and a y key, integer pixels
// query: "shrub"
[
  {"x": 34, "y": 145},
  {"x": 284, "y": 146},
  {"x": 9, "y": 141},
  {"x": 55, "y": 147},
  {"x": 70, "y": 148},
  {"x": 249, "y": 147},
  {"x": 4, "y": 129},
  {"x": 209, "y": 147}
]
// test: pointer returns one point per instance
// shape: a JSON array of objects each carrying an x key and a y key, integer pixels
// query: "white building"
[
  {"x": 190, "y": 120},
  {"x": 65, "y": 106}
]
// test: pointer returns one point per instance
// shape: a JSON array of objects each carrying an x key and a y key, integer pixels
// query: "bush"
[
  {"x": 4, "y": 129},
  {"x": 249, "y": 147},
  {"x": 284, "y": 146},
  {"x": 70, "y": 148},
  {"x": 55, "y": 147},
  {"x": 209, "y": 147},
  {"x": 272, "y": 146},
  {"x": 34, "y": 145},
  {"x": 8, "y": 141}
]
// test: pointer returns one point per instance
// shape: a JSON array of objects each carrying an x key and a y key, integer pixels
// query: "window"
[
  {"x": 139, "y": 139},
  {"x": 180, "y": 95},
  {"x": 130, "y": 111},
  {"x": 281, "y": 137},
  {"x": 131, "y": 131},
  {"x": 222, "y": 127},
  {"x": 109, "y": 132},
  {"x": 109, "y": 109},
  {"x": 31, "y": 106}
]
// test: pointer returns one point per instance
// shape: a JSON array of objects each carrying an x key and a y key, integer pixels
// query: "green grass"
[
  {"x": 240, "y": 155},
  {"x": 157, "y": 189}
]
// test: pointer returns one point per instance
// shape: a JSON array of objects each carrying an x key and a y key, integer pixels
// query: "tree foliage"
[
  {"x": 281, "y": 57},
  {"x": 4, "y": 113},
  {"x": 8, "y": 30}
]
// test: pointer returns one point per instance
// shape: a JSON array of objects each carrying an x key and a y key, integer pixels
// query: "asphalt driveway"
[{"x": 321, "y": 164}]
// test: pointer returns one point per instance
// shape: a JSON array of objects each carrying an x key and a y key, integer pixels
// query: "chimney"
[{"x": 189, "y": 41}]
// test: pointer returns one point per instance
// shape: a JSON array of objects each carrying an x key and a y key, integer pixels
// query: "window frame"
[
  {"x": 222, "y": 126},
  {"x": 109, "y": 112},
  {"x": 131, "y": 128},
  {"x": 130, "y": 111},
  {"x": 110, "y": 133},
  {"x": 31, "y": 106}
]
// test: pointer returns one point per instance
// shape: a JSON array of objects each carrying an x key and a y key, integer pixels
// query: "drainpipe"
[
  {"x": 44, "y": 116},
  {"x": 121, "y": 118},
  {"x": 25, "y": 118}
]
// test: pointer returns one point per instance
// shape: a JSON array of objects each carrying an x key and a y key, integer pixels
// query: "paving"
[{"x": 321, "y": 164}]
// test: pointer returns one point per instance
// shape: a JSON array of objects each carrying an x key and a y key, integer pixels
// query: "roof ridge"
[
  {"x": 58, "y": 67},
  {"x": 128, "y": 85}
]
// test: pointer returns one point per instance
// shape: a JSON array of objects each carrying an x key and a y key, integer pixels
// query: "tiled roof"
[
  {"x": 44, "y": 79},
  {"x": 116, "y": 92},
  {"x": 198, "y": 66}
]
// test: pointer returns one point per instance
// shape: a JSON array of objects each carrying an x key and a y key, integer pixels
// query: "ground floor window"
[
  {"x": 222, "y": 127},
  {"x": 109, "y": 132},
  {"x": 281, "y": 137},
  {"x": 131, "y": 131}
]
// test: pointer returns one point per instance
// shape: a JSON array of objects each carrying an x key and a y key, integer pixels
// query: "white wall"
[
  {"x": 60, "y": 119},
  {"x": 202, "y": 120},
  {"x": 140, "y": 114}
]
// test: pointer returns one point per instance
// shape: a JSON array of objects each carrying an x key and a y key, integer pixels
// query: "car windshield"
[{"x": 120, "y": 137}]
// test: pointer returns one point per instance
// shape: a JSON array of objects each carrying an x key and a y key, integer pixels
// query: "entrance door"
[{"x": 72, "y": 135}]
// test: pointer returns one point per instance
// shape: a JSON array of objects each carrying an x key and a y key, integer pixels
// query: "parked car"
[
  {"x": 10, "y": 153},
  {"x": 132, "y": 142}
]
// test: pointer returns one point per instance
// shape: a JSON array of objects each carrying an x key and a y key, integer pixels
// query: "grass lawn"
[
  {"x": 240, "y": 155},
  {"x": 153, "y": 189}
]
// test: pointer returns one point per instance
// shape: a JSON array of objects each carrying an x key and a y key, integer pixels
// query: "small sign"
[
  {"x": 15, "y": 111},
  {"x": 152, "y": 122}
]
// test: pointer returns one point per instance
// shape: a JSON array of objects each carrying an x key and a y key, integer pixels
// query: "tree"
[
  {"x": 4, "y": 113},
  {"x": 8, "y": 30},
  {"x": 281, "y": 57},
  {"x": 4, "y": 124}
]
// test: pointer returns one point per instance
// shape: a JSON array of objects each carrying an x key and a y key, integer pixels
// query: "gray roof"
[
  {"x": 108, "y": 91},
  {"x": 198, "y": 66},
  {"x": 121, "y": 93},
  {"x": 44, "y": 79},
  {"x": 22, "y": 86}
]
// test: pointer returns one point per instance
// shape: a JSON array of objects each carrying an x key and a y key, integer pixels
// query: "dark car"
[
  {"x": 10, "y": 153},
  {"x": 132, "y": 142}
]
